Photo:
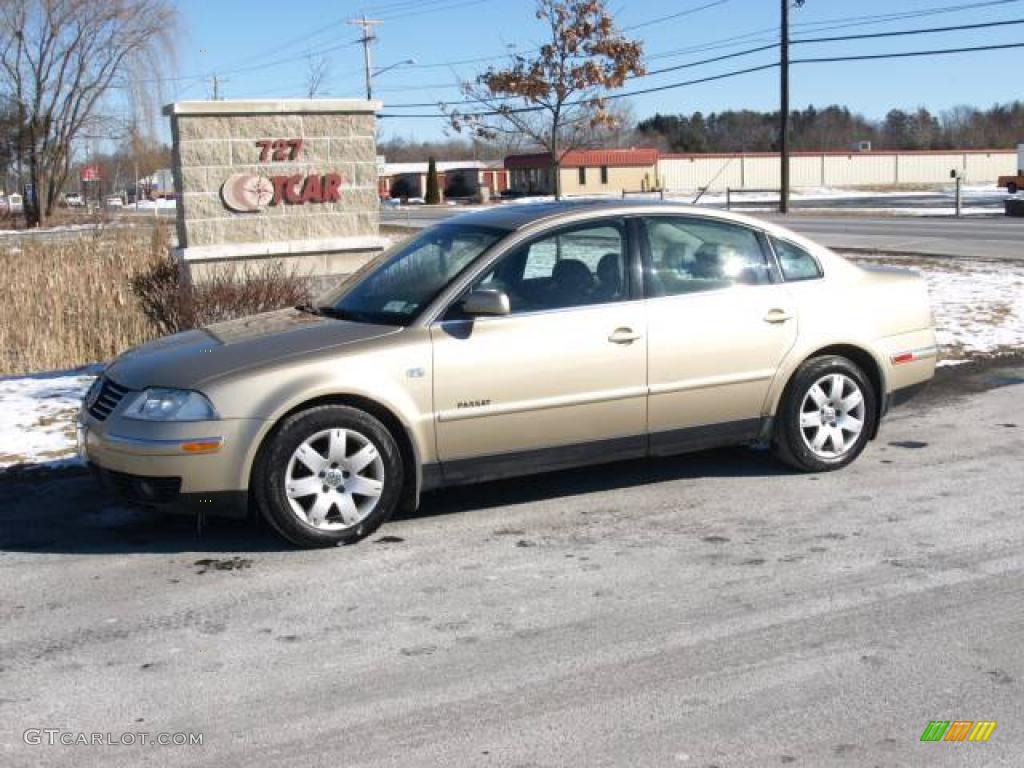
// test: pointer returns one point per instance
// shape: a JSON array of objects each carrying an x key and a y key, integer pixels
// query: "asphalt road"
[
  {"x": 991, "y": 237},
  {"x": 714, "y": 610}
]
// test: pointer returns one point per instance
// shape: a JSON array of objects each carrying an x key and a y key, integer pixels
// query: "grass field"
[{"x": 68, "y": 302}]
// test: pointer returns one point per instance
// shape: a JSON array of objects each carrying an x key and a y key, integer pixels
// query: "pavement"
[
  {"x": 709, "y": 610},
  {"x": 997, "y": 238},
  {"x": 988, "y": 237}
]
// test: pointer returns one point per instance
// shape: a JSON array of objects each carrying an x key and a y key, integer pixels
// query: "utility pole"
[
  {"x": 784, "y": 106},
  {"x": 368, "y": 37},
  {"x": 784, "y": 111}
]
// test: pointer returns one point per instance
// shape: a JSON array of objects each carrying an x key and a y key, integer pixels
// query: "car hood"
[{"x": 190, "y": 359}]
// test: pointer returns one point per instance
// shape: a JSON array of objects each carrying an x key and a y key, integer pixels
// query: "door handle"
[
  {"x": 777, "y": 316},
  {"x": 623, "y": 336}
]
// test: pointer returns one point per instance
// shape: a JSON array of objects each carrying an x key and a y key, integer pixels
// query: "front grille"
[
  {"x": 107, "y": 400},
  {"x": 154, "y": 490}
]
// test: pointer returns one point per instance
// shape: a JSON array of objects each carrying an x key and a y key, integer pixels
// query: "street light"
[{"x": 372, "y": 73}]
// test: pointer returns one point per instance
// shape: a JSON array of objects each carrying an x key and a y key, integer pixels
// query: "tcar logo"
[{"x": 248, "y": 193}]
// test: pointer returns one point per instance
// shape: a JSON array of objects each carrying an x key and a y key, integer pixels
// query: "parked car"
[
  {"x": 510, "y": 341},
  {"x": 11, "y": 204},
  {"x": 73, "y": 200},
  {"x": 113, "y": 201}
]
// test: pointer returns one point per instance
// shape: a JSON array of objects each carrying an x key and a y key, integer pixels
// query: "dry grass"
[{"x": 68, "y": 302}]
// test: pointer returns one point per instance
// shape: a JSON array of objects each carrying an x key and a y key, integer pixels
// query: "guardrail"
[
  {"x": 729, "y": 192},
  {"x": 651, "y": 193}
]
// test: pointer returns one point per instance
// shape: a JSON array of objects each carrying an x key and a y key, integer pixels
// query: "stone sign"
[{"x": 293, "y": 180}]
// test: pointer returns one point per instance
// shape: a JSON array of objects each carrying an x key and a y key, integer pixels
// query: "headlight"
[{"x": 170, "y": 405}]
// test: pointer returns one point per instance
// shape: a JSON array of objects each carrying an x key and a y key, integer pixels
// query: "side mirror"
[{"x": 486, "y": 301}]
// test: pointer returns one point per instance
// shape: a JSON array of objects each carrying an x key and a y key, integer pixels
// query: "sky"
[{"x": 260, "y": 48}]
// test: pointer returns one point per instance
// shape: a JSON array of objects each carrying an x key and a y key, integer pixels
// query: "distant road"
[
  {"x": 991, "y": 237},
  {"x": 984, "y": 237}
]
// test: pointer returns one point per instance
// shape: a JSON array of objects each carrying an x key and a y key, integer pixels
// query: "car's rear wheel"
[
  {"x": 329, "y": 475},
  {"x": 1011, "y": 188},
  {"x": 827, "y": 415}
]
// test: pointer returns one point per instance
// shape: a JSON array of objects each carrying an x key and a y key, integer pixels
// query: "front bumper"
[{"x": 187, "y": 466}]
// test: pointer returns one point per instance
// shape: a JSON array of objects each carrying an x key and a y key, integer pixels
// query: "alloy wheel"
[
  {"x": 334, "y": 479},
  {"x": 832, "y": 416}
]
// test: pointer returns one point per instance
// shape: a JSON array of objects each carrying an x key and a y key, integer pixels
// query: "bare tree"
[
  {"x": 317, "y": 71},
  {"x": 561, "y": 89},
  {"x": 60, "y": 58}
]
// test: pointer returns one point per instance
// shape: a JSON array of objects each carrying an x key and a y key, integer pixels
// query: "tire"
[
  {"x": 1011, "y": 188},
  {"x": 816, "y": 430},
  {"x": 347, "y": 460}
]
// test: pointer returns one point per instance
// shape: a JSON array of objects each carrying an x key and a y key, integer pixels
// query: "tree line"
[{"x": 836, "y": 128}]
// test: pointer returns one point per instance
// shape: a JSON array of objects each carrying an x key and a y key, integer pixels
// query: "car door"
[
  {"x": 719, "y": 324},
  {"x": 560, "y": 380}
]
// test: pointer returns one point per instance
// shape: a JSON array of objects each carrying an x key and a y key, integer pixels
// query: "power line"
[
  {"x": 438, "y": 9},
  {"x": 825, "y": 25},
  {"x": 656, "y": 89},
  {"x": 723, "y": 42},
  {"x": 902, "y": 33},
  {"x": 691, "y": 64},
  {"x": 903, "y": 15},
  {"x": 679, "y": 15},
  {"x": 750, "y": 51},
  {"x": 734, "y": 73},
  {"x": 908, "y": 54},
  {"x": 649, "y": 22}
]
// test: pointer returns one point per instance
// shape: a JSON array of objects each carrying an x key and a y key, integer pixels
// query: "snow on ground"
[
  {"x": 978, "y": 305},
  {"x": 979, "y": 312},
  {"x": 149, "y": 205},
  {"x": 981, "y": 196},
  {"x": 37, "y": 416}
]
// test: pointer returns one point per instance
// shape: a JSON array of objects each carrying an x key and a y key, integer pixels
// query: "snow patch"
[
  {"x": 978, "y": 305},
  {"x": 37, "y": 416}
]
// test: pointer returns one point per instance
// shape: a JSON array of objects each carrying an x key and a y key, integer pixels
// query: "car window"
[
  {"x": 796, "y": 263},
  {"x": 394, "y": 289},
  {"x": 690, "y": 255},
  {"x": 570, "y": 268}
]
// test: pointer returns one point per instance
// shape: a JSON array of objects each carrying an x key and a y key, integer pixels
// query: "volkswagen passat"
[{"x": 515, "y": 340}]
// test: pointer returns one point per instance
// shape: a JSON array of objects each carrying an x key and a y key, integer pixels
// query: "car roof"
[{"x": 513, "y": 216}]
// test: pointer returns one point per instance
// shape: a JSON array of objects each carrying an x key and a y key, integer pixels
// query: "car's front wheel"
[
  {"x": 827, "y": 415},
  {"x": 330, "y": 475}
]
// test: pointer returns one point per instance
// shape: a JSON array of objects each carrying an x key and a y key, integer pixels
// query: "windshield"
[{"x": 397, "y": 286}]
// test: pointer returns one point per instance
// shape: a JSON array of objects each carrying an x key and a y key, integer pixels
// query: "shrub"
[{"x": 172, "y": 303}]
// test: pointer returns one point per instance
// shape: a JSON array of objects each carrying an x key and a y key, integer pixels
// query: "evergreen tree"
[{"x": 433, "y": 190}]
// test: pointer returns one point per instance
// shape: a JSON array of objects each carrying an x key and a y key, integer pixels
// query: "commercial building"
[
  {"x": 873, "y": 168},
  {"x": 456, "y": 179},
  {"x": 586, "y": 172}
]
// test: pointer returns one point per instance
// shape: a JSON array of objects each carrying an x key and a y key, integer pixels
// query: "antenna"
[{"x": 216, "y": 83}]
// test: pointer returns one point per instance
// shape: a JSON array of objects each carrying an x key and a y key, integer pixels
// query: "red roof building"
[{"x": 586, "y": 172}]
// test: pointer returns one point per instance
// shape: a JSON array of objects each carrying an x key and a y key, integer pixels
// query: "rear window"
[{"x": 795, "y": 262}]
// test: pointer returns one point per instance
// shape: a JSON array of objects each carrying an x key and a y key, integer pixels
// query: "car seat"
[
  {"x": 572, "y": 283},
  {"x": 609, "y": 277},
  {"x": 708, "y": 262}
]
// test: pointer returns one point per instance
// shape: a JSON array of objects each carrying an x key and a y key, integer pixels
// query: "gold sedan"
[{"x": 511, "y": 341}]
